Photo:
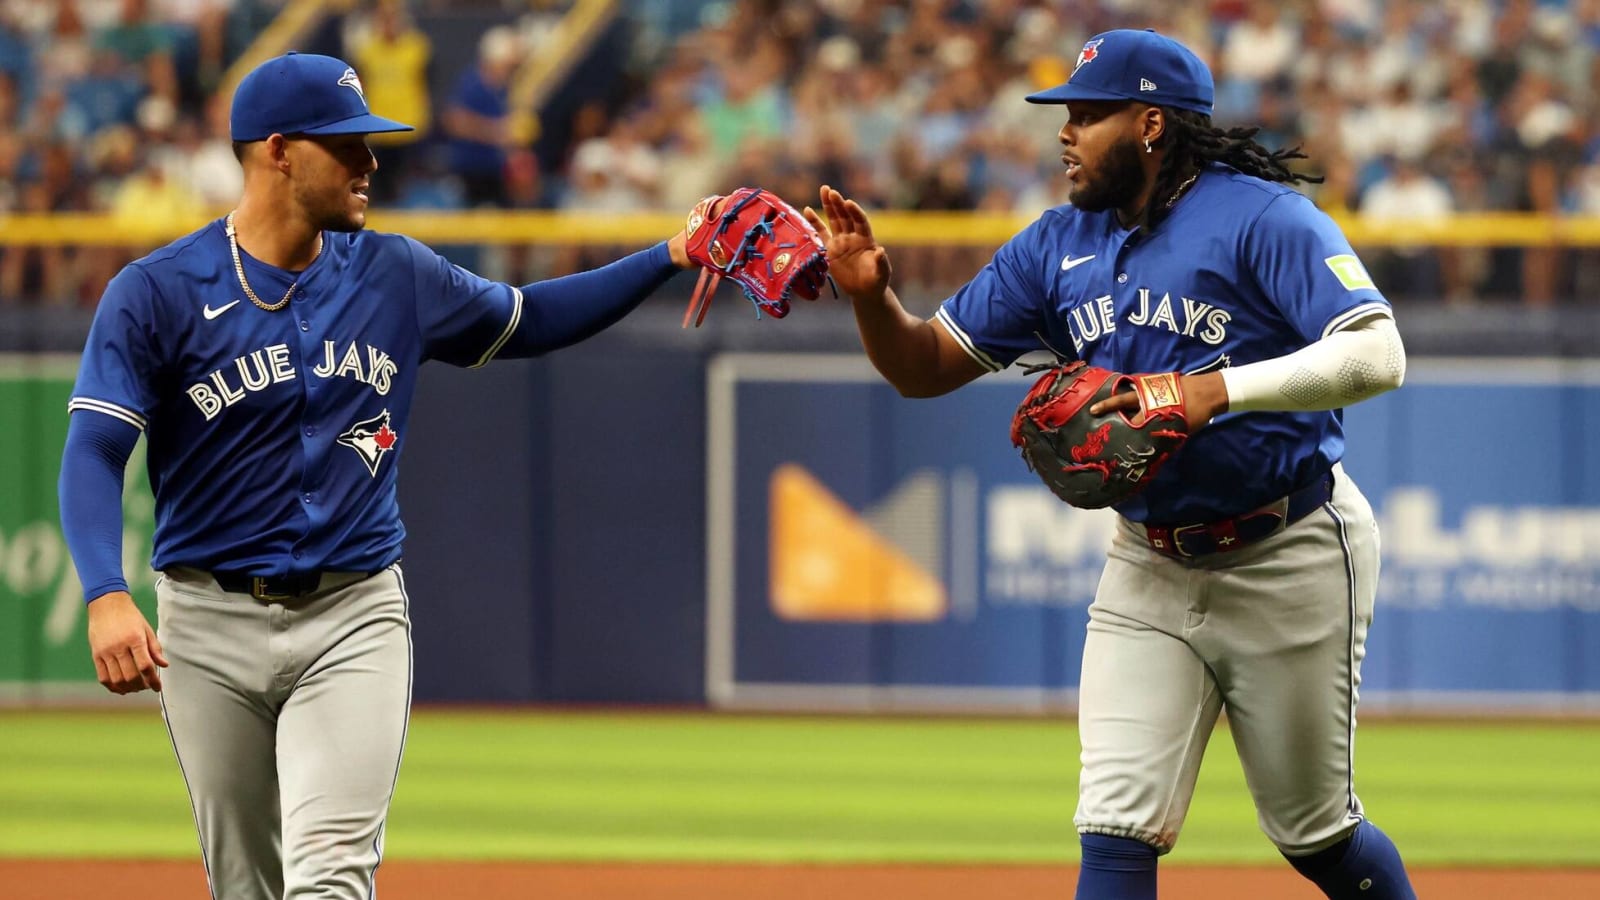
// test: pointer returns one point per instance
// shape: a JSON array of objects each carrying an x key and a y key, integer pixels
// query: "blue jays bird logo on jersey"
[
  {"x": 1088, "y": 53},
  {"x": 349, "y": 80},
  {"x": 371, "y": 439}
]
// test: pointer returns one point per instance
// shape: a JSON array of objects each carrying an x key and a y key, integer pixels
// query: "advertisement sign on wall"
[
  {"x": 44, "y": 651},
  {"x": 867, "y": 551}
]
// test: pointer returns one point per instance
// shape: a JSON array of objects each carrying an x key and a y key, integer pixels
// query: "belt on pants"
[
  {"x": 1237, "y": 532},
  {"x": 283, "y": 587}
]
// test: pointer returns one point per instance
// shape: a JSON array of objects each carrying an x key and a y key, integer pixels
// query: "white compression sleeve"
[{"x": 1346, "y": 367}]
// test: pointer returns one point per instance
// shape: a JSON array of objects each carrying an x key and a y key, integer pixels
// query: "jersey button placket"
[
  {"x": 310, "y": 382},
  {"x": 1119, "y": 302}
]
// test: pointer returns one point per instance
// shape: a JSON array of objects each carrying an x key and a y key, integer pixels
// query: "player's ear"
[
  {"x": 1152, "y": 125},
  {"x": 275, "y": 152}
]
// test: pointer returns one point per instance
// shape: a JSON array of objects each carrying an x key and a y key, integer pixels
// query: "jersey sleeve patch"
[
  {"x": 510, "y": 329},
  {"x": 962, "y": 338},
  {"x": 1350, "y": 272},
  {"x": 111, "y": 409}
]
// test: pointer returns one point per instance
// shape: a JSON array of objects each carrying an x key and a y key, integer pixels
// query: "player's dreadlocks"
[{"x": 1192, "y": 141}]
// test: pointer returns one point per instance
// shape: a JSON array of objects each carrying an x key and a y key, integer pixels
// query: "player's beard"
[
  {"x": 330, "y": 211},
  {"x": 1112, "y": 184}
]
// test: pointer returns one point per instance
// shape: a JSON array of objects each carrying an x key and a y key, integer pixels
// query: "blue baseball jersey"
[
  {"x": 1242, "y": 270},
  {"x": 274, "y": 437}
]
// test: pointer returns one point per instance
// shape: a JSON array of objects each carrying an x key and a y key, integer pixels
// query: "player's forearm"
[
  {"x": 90, "y": 493},
  {"x": 903, "y": 348},
  {"x": 563, "y": 311},
  {"x": 1346, "y": 367}
]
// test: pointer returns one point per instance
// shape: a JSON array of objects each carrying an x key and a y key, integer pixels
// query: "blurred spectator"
[
  {"x": 143, "y": 48},
  {"x": 1262, "y": 47},
  {"x": 212, "y": 172},
  {"x": 477, "y": 119},
  {"x": 1407, "y": 194},
  {"x": 62, "y": 39},
  {"x": 104, "y": 96},
  {"x": 909, "y": 104},
  {"x": 199, "y": 30},
  {"x": 690, "y": 167},
  {"x": 150, "y": 198},
  {"x": 52, "y": 183},
  {"x": 392, "y": 55},
  {"x": 16, "y": 57}
]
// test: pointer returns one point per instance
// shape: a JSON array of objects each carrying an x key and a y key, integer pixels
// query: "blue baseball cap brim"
[
  {"x": 1067, "y": 93},
  {"x": 367, "y": 123}
]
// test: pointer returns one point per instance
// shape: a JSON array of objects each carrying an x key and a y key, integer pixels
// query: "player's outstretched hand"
[
  {"x": 858, "y": 263},
  {"x": 125, "y": 649}
]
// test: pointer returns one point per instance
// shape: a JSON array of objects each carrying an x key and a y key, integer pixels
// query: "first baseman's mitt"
[
  {"x": 1095, "y": 461},
  {"x": 758, "y": 240}
]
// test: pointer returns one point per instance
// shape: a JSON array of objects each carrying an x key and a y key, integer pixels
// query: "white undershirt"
[{"x": 1356, "y": 363}]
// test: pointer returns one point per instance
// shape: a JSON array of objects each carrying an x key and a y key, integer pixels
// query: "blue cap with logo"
[
  {"x": 1128, "y": 64},
  {"x": 303, "y": 93}
]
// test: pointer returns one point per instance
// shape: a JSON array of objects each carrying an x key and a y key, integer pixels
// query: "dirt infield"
[{"x": 95, "y": 880}]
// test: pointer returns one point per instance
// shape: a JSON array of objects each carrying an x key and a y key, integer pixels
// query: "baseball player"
[
  {"x": 270, "y": 359},
  {"x": 1243, "y": 577}
]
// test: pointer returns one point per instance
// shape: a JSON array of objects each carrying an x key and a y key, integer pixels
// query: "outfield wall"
[{"x": 581, "y": 530}]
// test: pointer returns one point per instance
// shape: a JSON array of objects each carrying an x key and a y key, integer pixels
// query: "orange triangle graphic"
[{"x": 827, "y": 565}]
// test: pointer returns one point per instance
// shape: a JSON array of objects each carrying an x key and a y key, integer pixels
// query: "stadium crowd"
[{"x": 1408, "y": 109}]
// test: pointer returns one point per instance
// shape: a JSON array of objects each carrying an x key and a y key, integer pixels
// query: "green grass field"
[{"x": 638, "y": 786}]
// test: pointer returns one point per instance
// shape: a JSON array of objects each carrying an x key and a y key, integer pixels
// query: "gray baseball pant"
[{"x": 288, "y": 720}]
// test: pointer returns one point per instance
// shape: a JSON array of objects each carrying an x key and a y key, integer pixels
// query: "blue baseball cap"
[
  {"x": 303, "y": 93},
  {"x": 1128, "y": 64}
]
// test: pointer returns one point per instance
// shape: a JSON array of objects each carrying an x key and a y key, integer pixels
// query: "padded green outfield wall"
[{"x": 44, "y": 653}]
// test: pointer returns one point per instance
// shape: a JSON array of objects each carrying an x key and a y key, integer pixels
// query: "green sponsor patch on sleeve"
[{"x": 1350, "y": 272}]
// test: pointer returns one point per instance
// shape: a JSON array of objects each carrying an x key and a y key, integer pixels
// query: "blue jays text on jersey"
[
  {"x": 1242, "y": 270},
  {"x": 273, "y": 434}
]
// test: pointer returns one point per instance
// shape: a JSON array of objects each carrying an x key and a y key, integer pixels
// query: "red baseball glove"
[
  {"x": 1096, "y": 461},
  {"x": 758, "y": 240}
]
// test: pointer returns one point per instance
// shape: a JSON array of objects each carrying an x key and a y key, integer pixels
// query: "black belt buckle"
[{"x": 259, "y": 590}]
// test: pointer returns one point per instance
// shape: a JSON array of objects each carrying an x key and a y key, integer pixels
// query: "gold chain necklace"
[
  {"x": 1181, "y": 188},
  {"x": 238, "y": 267}
]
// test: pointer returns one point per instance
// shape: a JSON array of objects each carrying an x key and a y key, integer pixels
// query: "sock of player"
[
  {"x": 1116, "y": 868},
  {"x": 1364, "y": 866}
]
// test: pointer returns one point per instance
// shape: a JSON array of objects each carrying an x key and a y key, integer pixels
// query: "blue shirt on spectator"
[{"x": 475, "y": 95}]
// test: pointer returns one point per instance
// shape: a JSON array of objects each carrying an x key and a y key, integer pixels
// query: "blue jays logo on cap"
[
  {"x": 349, "y": 80},
  {"x": 1129, "y": 64},
  {"x": 303, "y": 93},
  {"x": 1087, "y": 54}
]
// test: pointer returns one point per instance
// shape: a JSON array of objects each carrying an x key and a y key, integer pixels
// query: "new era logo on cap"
[{"x": 1130, "y": 64}]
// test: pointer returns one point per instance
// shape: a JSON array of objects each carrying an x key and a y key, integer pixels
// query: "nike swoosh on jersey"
[
  {"x": 213, "y": 313},
  {"x": 1068, "y": 263}
]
